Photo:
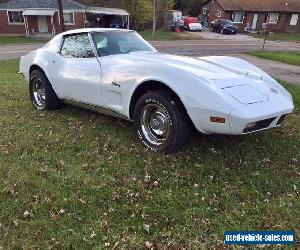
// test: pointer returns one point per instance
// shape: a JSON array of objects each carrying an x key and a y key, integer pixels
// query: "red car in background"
[{"x": 192, "y": 24}]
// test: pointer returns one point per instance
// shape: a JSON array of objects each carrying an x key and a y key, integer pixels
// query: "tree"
[
  {"x": 61, "y": 16},
  {"x": 189, "y": 7},
  {"x": 164, "y": 5},
  {"x": 140, "y": 10}
]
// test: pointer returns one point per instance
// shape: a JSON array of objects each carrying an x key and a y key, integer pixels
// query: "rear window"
[{"x": 77, "y": 46}]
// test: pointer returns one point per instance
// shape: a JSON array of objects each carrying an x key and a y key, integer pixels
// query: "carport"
[{"x": 103, "y": 17}]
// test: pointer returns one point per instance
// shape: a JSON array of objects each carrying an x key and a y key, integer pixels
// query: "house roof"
[
  {"x": 38, "y": 12},
  {"x": 43, "y": 7},
  {"x": 107, "y": 11},
  {"x": 45, "y": 4},
  {"x": 261, "y": 5}
]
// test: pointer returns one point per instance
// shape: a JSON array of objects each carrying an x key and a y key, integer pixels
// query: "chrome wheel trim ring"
[
  {"x": 155, "y": 124},
  {"x": 39, "y": 92}
]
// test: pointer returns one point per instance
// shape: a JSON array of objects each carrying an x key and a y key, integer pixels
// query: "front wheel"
[
  {"x": 42, "y": 95},
  {"x": 161, "y": 122}
]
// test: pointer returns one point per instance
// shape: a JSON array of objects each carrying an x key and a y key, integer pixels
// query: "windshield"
[
  {"x": 227, "y": 22},
  {"x": 117, "y": 42}
]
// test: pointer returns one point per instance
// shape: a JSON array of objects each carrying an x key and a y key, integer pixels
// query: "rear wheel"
[
  {"x": 41, "y": 92},
  {"x": 161, "y": 122}
]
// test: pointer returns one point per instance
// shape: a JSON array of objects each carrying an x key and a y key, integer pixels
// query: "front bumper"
[
  {"x": 262, "y": 116},
  {"x": 244, "y": 125},
  {"x": 229, "y": 31},
  {"x": 195, "y": 27}
]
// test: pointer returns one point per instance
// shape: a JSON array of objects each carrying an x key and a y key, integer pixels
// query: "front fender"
[
  {"x": 199, "y": 96},
  {"x": 41, "y": 58}
]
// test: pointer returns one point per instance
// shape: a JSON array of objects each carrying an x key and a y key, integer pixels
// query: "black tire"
[
  {"x": 180, "y": 125},
  {"x": 50, "y": 100}
]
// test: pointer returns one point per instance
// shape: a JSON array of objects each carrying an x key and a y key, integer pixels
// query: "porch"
[{"x": 39, "y": 22}]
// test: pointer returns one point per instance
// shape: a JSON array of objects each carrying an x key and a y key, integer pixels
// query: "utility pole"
[
  {"x": 61, "y": 16},
  {"x": 154, "y": 19}
]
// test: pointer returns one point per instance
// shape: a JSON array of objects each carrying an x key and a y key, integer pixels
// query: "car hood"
[
  {"x": 209, "y": 68},
  {"x": 242, "y": 81}
]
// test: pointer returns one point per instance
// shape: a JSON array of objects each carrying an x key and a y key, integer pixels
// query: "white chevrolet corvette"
[{"x": 118, "y": 73}]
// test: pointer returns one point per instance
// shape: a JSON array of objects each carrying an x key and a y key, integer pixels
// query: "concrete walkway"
[{"x": 282, "y": 71}]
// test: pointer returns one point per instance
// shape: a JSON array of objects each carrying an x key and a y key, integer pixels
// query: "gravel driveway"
[
  {"x": 207, "y": 34},
  {"x": 282, "y": 71}
]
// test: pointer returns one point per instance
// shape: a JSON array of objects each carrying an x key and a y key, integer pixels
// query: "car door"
[
  {"x": 113, "y": 76},
  {"x": 77, "y": 70},
  {"x": 118, "y": 69}
]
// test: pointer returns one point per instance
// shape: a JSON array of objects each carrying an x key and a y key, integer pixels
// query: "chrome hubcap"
[
  {"x": 155, "y": 124},
  {"x": 39, "y": 93}
]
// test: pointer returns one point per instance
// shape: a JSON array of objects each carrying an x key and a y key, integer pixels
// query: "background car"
[
  {"x": 117, "y": 24},
  {"x": 223, "y": 26},
  {"x": 192, "y": 24},
  {"x": 178, "y": 24}
]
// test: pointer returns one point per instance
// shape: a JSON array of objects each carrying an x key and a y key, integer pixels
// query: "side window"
[
  {"x": 77, "y": 46},
  {"x": 101, "y": 42}
]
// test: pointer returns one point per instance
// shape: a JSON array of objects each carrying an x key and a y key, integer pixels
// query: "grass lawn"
[
  {"x": 285, "y": 57},
  {"x": 288, "y": 37},
  {"x": 167, "y": 35},
  {"x": 77, "y": 179},
  {"x": 20, "y": 40}
]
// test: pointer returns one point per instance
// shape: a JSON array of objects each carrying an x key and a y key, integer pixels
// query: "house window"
[
  {"x": 205, "y": 11},
  {"x": 238, "y": 17},
  {"x": 273, "y": 17},
  {"x": 15, "y": 17},
  {"x": 69, "y": 18},
  {"x": 218, "y": 13},
  {"x": 294, "y": 19}
]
